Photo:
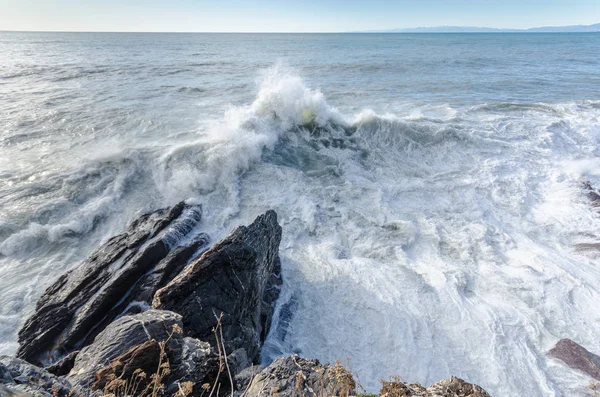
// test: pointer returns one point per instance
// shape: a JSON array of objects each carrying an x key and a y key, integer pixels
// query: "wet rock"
[
  {"x": 229, "y": 278},
  {"x": 64, "y": 366},
  {"x": 20, "y": 378},
  {"x": 592, "y": 194},
  {"x": 83, "y": 301},
  {"x": 584, "y": 247},
  {"x": 577, "y": 357},
  {"x": 120, "y": 336},
  {"x": 269, "y": 301}
]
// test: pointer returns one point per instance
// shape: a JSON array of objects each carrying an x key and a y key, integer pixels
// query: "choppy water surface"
[{"x": 429, "y": 186}]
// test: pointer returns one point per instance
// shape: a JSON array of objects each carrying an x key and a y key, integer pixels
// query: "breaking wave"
[{"x": 426, "y": 244}]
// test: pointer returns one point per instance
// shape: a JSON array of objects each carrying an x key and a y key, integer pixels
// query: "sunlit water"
[{"x": 429, "y": 186}]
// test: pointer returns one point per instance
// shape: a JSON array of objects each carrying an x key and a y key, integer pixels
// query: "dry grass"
[
  {"x": 154, "y": 386},
  {"x": 594, "y": 386}
]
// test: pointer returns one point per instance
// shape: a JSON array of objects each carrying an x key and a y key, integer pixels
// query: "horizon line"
[{"x": 383, "y": 31}]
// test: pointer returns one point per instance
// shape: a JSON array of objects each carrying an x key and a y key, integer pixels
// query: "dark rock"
[
  {"x": 200, "y": 365},
  {"x": 20, "y": 378},
  {"x": 83, "y": 301},
  {"x": 592, "y": 194},
  {"x": 245, "y": 377},
  {"x": 583, "y": 247},
  {"x": 270, "y": 296},
  {"x": 577, "y": 357},
  {"x": 144, "y": 357},
  {"x": 229, "y": 278},
  {"x": 64, "y": 366},
  {"x": 167, "y": 269},
  {"x": 123, "y": 334},
  {"x": 196, "y": 362},
  {"x": 295, "y": 376}
]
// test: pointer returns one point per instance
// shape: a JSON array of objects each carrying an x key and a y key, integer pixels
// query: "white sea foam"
[{"x": 427, "y": 244}]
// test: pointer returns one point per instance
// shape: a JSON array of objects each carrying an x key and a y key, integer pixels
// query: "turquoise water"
[{"x": 429, "y": 185}]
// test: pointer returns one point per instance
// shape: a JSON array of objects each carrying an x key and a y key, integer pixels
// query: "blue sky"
[{"x": 288, "y": 16}]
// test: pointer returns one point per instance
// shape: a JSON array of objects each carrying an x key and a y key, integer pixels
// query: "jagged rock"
[
  {"x": 296, "y": 376},
  {"x": 123, "y": 334},
  {"x": 270, "y": 296},
  {"x": 243, "y": 378},
  {"x": 199, "y": 364},
  {"x": 452, "y": 387},
  {"x": 144, "y": 357},
  {"x": 20, "y": 378},
  {"x": 577, "y": 357},
  {"x": 229, "y": 278},
  {"x": 64, "y": 366},
  {"x": 196, "y": 363},
  {"x": 455, "y": 387},
  {"x": 592, "y": 194},
  {"x": 83, "y": 301}
]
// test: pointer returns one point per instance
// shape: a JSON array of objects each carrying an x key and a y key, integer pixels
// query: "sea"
[{"x": 431, "y": 187}]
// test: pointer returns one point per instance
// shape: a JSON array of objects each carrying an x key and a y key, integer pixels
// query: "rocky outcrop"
[
  {"x": 452, "y": 387},
  {"x": 127, "y": 268},
  {"x": 229, "y": 278},
  {"x": 120, "y": 336},
  {"x": 294, "y": 376},
  {"x": 206, "y": 328},
  {"x": 591, "y": 193},
  {"x": 577, "y": 357},
  {"x": 20, "y": 378},
  {"x": 178, "y": 359}
]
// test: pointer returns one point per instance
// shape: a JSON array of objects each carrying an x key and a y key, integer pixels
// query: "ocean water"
[{"x": 429, "y": 186}]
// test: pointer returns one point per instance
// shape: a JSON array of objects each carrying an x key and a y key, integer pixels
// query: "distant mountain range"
[{"x": 472, "y": 29}]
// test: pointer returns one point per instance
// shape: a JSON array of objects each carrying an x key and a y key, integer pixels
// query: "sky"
[{"x": 288, "y": 15}]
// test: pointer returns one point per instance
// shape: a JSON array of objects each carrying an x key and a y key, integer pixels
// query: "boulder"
[
  {"x": 130, "y": 370},
  {"x": 577, "y": 357},
  {"x": 83, "y": 301},
  {"x": 296, "y": 376},
  {"x": 196, "y": 366},
  {"x": 20, "y": 378},
  {"x": 452, "y": 387},
  {"x": 455, "y": 387},
  {"x": 122, "y": 335},
  {"x": 230, "y": 278}
]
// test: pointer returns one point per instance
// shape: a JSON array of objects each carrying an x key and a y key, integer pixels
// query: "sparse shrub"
[{"x": 595, "y": 387}]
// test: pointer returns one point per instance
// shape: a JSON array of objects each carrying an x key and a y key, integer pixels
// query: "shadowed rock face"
[
  {"x": 120, "y": 336},
  {"x": 577, "y": 357},
  {"x": 144, "y": 357},
  {"x": 229, "y": 278},
  {"x": 128, "y": 267},
  {"x": 20, "y": 378}
]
